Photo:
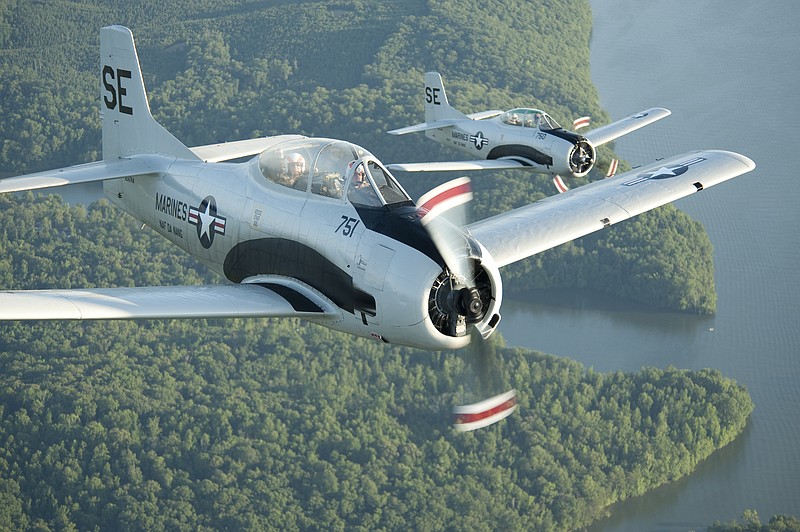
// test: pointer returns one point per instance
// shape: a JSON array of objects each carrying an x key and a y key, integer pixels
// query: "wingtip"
[{"x": 743, "y": 159}]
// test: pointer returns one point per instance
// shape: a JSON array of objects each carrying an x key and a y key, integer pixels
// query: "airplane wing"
[
  {"x": 460, "y": 166},
  {"x": 534, "y": 228},
  {"x": 226, "y": 151},
  {"x": 86, "y": 173},
  {"x": 605, "y": 134},
  {"x": 286, "y": 298}
]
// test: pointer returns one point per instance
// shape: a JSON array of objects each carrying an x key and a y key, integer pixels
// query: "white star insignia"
[{"x": 206, "y": 220}]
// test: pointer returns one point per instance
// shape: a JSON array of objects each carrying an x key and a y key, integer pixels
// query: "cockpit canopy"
[
  {"x": 527, "y": 117},
  {"x": 328, "y": 168}
]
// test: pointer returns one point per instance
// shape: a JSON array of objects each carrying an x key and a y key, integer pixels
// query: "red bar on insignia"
[
  {"x": 560, "y": 185},
  {"x": 581, "y": 122},
  {"x": 484, "y": 413},
  {"x": 445, "y": 197}
]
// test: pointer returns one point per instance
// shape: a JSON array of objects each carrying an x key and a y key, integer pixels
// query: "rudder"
[
  {"x": 436, "y": 105},
  {"x": 128, "y": 126}
]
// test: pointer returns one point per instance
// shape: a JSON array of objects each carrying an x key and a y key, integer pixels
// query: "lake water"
[{"x": 729, "y": 73}]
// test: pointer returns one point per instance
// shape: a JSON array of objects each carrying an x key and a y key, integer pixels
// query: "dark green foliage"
[
  {"x": 349, "y": 69},
  {"x": 752, "y": 523},
  {"x": 276, "y": 424}
]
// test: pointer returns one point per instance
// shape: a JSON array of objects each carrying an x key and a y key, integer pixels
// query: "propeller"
[
  {"x": 444, "y": 212},
  {"x": 562, "y": 187},
  {"x": 612, "y": 168}
]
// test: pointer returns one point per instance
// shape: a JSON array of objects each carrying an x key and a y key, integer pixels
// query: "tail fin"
[
  {"x": 436, "y": 105},
  {"x": 128, "y": 126}
]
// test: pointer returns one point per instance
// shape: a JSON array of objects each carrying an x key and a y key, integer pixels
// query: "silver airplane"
[{"x": 521, "y": 138}]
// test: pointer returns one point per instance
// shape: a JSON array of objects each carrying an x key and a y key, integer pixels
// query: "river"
[{"x": 729, "y": 73}]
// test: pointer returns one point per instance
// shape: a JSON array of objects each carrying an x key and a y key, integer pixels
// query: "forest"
[{"x": 278, "y": 424}]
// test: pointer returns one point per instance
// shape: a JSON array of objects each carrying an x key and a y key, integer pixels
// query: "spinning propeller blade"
[
  {"x": 445, "y": 210},
  {"x": 484, "y": 413},
  {"x": 444, "y": 214}
]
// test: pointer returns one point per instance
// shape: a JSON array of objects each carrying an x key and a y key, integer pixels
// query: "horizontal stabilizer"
[
  {"x": 226, "y": 151},
  {"x": 87, "y": 173},
  {"x": 460, "y": 166},
  {"x": 424, "y": 126},
  {"x": 444, "y": 122},
  {"x": 483, "y": 115},
  {"x": 158, "y": 302}
]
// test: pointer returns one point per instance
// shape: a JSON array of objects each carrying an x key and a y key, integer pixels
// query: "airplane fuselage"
[
  {"x": 376, "y": 264},
  {"x": 538, "y": 143}
]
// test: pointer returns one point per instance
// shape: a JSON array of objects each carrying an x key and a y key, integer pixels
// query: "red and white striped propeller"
[{"x": 445, "y": 212}]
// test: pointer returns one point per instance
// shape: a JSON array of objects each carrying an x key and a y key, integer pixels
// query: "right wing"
[
  {"x": 605, "y": 134},
  {"x": 528, "y": 230},
  {"x": 271, "y": 298}
]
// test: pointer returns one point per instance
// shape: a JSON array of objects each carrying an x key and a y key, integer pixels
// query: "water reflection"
[{"x": 601, "y": 331}]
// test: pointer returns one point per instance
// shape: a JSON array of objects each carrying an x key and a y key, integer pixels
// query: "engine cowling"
[
  {"x": 581, "y": 157},
  {"x": 456, "y": 304}
]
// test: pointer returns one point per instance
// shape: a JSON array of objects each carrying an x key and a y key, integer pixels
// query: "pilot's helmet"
[
  {"x": 514, "y": 118},
  {"x": 358, "y": 174},
  {"x": 295, "y": 161}
]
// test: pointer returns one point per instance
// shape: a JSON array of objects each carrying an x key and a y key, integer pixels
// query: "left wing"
[
  {"x": 605, "y": 134},
  {"x": 529, "y": 230},
  {"x": 284, "y": 298}
]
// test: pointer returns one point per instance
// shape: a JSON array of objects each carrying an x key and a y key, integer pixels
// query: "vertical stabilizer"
[
  {"x": 436, "y": 105},
  {"x": 128, "y": 126}
]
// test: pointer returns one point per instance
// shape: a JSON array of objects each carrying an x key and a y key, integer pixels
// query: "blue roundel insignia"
[
  {"x": 665, "y": 172},
  {"x": 207, "y": 222},
  {"x": 478, "y": 140}
]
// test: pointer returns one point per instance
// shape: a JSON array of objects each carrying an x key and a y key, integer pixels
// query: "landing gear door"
[{"x": 372, "y": 264}]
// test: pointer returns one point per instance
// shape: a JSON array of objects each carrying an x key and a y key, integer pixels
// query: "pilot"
[
  {"x": 361, "y": 191},
  {"x": 294, "y": 165},
  {"x": 360, "y": 177}
]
